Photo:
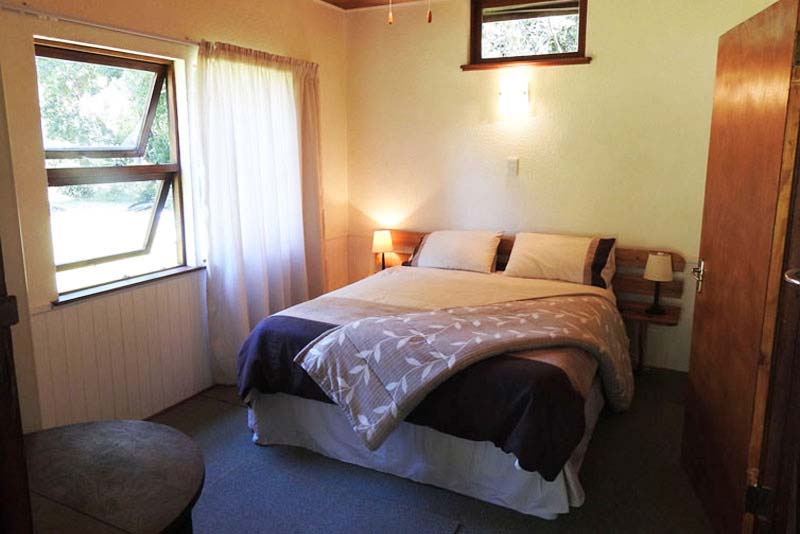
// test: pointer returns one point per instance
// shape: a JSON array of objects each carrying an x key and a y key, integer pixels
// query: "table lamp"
[
  {"x": 381, "y": 244},
  {"x": 658, "y": 269}
]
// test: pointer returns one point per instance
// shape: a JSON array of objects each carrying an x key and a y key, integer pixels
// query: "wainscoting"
[{"x": 125, "y": 355}]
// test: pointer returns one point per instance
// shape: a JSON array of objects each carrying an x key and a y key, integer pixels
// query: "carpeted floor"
[{"x": 632, "y": 477}]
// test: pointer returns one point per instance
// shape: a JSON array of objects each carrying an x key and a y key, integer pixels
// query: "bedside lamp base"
[
  {"x": 381, "y": 244},
  {"x": 656, "y": 308}
]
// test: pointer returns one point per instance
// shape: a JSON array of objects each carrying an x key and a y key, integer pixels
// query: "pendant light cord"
[{"x": 390, "y": 19}]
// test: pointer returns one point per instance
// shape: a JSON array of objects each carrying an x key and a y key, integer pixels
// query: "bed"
[{"x": 511, "y": 428}]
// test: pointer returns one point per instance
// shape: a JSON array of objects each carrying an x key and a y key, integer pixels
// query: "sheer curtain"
[{"x": 256, "y": 146}]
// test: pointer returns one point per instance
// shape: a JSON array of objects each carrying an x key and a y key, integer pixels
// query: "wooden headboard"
[{"x": 627, "y": 281}]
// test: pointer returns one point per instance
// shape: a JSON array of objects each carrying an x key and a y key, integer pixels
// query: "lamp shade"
[
  {"x": 659, "y": 267},
  {"x": 382, "y": 241}
]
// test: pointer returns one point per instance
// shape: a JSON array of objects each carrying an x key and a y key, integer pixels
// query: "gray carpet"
[{"x": 632, "y": 477}]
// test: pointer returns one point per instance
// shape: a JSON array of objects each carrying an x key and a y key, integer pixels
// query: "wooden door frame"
[
  {"x": 15, "y": 513},
  {"x": 780, "y": 453}
]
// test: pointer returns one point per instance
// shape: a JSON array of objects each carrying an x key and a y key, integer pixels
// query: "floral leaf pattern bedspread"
[{"x": 378, "y": 369}]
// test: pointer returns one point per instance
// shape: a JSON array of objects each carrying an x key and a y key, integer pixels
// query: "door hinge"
[
  {"x": 8, "y": 312},
  {"x": 758, "y": 501}
]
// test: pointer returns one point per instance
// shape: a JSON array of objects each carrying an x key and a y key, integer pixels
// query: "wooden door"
[
  {"x": 750, "y": 171},
  {"x": 15, "y": 514}
]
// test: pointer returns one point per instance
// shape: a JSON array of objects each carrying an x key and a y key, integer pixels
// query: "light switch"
[{"x": 512, "y": 166}]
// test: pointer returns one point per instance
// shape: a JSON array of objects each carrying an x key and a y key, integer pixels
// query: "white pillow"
[
  {"x": 461, "y": 250},
  {"x": 582, "y": 260}
]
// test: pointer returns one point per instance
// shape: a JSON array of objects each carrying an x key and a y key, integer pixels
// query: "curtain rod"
[{"x": 25, "y": 10}]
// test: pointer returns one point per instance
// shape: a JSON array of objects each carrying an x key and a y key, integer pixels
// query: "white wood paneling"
[{"x": 124, "y": 355}]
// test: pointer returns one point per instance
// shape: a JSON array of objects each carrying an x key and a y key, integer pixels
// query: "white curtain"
[{"x": 256, "y": 148}]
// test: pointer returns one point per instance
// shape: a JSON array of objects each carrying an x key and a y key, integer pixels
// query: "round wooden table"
[{"x": 113, "y": 476}]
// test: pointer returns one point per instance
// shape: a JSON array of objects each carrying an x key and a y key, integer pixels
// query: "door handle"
[
  {"x": 792, "y": 276},
  {"x": 699, "y": 274}
]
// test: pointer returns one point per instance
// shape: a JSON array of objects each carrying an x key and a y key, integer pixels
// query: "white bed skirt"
[{"x": 476, "y": 469}]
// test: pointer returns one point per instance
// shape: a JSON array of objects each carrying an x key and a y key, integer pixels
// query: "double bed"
[{"x": 508, "y": 423}]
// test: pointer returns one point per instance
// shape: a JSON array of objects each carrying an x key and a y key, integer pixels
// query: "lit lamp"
[
  {"x": 658, "y": 269},
  {"x": 381, "y": 244}
]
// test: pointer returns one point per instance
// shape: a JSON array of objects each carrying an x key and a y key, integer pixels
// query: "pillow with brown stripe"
[{"x": 582, "y": 260}]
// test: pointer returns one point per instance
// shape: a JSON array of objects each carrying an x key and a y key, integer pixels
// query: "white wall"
[{"x": 617, "y": 147}]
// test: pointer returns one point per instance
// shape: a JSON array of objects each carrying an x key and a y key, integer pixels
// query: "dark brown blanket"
[{"x": 525, "y": 407}]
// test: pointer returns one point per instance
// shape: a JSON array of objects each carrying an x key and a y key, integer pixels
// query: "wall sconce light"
[{"x": 514, "y": 95}]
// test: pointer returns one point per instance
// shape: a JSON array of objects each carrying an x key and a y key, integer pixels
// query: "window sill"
[
  {"x": 83, "y": 294},
  {"x": 582, "y": 60}
]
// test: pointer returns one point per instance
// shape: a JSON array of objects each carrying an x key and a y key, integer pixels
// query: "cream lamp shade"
[
  {"x": 659, "y": 267},
  {"x": 382, "y": 241}
]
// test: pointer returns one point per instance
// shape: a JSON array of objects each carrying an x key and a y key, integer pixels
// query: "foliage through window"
[
  {"x": 529, "y": 31},
  {"x": 108, "y": 124}
]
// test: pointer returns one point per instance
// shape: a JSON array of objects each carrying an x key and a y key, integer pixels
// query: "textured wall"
[{"x": 617, "y": 147}]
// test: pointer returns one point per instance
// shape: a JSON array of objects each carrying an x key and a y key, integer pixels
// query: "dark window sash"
[
  {"x": 168, "y": 182},
  {"x": 125, "y": 283},
  {"x": 161, "y": 72},
  {"x": 478, "y": 62},
  {"x": 530, "y": 10},
  {"x": 109, "y": 175}
]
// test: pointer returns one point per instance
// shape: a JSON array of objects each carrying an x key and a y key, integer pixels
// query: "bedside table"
[{"x": 634, "y": 313}]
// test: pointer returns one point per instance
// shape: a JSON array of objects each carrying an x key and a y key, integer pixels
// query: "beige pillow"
[
  {"x": 582, "y": 260},
  {"x": 461, "y": 250}
]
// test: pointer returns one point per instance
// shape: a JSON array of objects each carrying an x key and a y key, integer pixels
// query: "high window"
[
  {"x": 532, "y": 31},
  {"x": 110, "y": 138}
]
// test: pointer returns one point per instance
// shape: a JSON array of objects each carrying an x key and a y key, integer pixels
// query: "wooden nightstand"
[{"x": 634, "y": 313}]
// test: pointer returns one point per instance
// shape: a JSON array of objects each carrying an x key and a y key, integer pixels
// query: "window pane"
[
  {"x": 163, "y": 254},
  {"x": 157, "y": 152},
  {"x": 529, "y": 30},
  {"x": 94, "y": 221},
  {"x": 86, "y": 105},
  {"x": 94, "y": 108}
]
